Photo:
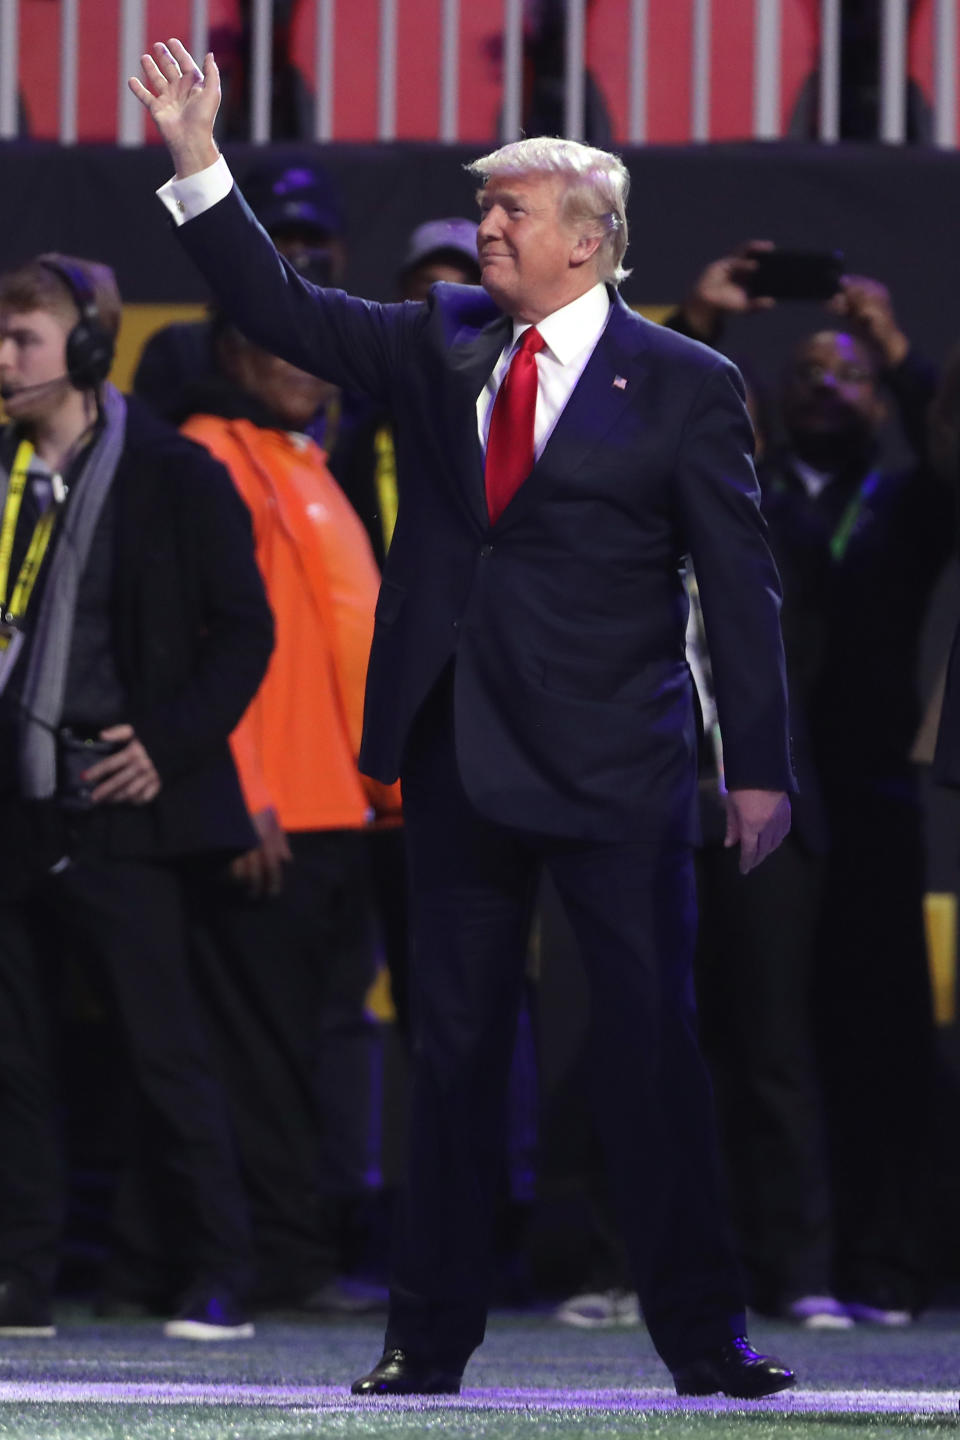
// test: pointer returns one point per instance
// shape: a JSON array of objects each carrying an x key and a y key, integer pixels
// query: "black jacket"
[{"x": 193, "y": 634}]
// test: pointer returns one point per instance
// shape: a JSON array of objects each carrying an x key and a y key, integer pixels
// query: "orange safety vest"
[{"x": 296, "y": 747}]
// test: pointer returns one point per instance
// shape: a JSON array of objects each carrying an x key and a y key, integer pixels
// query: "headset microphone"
[{"x": 10, "y": 393}]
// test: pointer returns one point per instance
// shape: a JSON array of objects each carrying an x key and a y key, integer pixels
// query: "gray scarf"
[{"x": 52, "y": 630}]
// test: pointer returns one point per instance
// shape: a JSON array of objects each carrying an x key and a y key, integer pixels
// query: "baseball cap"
[
  {"x": 434, "y": 236},
  {"x": 297, "y": 195}
]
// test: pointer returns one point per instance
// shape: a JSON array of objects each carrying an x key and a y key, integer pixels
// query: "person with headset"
[{"x": 134, "y": 632}]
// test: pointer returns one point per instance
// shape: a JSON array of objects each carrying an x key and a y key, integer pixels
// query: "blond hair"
[{"x": 596, "y": 185}]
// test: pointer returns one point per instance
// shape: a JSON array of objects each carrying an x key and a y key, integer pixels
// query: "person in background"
[
  {"x": 543, "y": 98},
  {"x": 365, "y": 464},
  {"x": 944, "y": 436},
  {"x": 812, "y": 978},
  {"x": 299, "y": 207},
  {"x": 135, "y": 631},
  {"x": 812, "y": 981},
  {"x": 287, "y": 948},
  {"x": 291, "y": 100}
]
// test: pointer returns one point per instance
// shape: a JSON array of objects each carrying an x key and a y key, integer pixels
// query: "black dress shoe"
[
  {"x": 396, "y": 1373},
  {"x": 734, "y": 1369}
]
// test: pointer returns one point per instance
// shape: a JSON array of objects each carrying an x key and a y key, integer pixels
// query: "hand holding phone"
[{"x": 720, "y": 289}]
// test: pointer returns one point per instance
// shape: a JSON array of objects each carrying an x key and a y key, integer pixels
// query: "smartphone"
[
  {"x": 75, "y": 754},
  {"x": 795, "y": 274}
]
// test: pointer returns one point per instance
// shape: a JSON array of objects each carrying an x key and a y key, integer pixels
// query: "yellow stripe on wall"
[{"x": 138, "y": 324}]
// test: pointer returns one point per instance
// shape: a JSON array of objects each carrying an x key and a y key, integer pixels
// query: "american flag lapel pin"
[{"x": 619, "y": 383}]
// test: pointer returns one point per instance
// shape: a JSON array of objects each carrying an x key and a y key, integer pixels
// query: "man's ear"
[{"x": 585, "y": 249}]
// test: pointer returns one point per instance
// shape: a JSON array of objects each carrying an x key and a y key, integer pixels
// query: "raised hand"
[
  {"x": 183, "y": 100},
  {"x": 721, "y": 289}
]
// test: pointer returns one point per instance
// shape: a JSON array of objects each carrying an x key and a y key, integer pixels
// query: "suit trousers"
[
  {"x": 632, "y": 908},
  {"x": 125, "y": 918}
]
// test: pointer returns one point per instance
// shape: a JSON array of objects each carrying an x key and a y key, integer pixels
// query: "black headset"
[{"x": 90, "y": 346}]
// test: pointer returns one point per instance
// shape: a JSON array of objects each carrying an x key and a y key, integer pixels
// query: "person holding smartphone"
[{"x": 812, "y": 978}]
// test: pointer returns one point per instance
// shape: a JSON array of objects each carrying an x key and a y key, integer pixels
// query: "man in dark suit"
[
  {"x": 528, "y": 683},
  {"x": 134, "y": 633}
]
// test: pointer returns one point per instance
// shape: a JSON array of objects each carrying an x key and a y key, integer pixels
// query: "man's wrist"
[
  {"x": 186, "y": 198},
  {"x": 190, "y": 159}
]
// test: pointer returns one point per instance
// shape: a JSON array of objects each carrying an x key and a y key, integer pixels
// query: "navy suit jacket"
[{"x": 574, "y": 707}]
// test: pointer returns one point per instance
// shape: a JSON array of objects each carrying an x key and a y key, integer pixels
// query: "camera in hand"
[
  {"x": 794, "y": 274},
  {"x": 75, "y": 755}
]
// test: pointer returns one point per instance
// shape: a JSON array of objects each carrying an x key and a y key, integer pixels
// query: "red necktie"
[{"x": 510, "y": 439}]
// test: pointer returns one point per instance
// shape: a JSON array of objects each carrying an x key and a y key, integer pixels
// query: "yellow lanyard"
[
  {"x": 385, "y": 481},
  {"x": 15, "y": 608}
]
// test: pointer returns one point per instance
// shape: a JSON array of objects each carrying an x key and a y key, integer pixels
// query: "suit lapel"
[
  {"x": 611, "y": 382},
  {"x": 472, "y": 357},
  {"x": 474, "y": 354}
]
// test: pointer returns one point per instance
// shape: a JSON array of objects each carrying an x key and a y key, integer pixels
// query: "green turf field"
[{"x": 533, "y": 1378}]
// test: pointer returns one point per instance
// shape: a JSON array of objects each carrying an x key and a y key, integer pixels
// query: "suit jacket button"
[{"x": 486, "y": 550}]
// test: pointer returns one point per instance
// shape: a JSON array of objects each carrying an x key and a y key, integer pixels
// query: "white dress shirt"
[
  {"x": 813, "y": 481},
  {"x": 186, "y": 199},
  {"x": 570, "y": 334}
]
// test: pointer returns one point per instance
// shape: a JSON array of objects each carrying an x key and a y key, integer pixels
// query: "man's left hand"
[
  {"x": 128, "y": 776},
  {"x": 759, "y": 820}
]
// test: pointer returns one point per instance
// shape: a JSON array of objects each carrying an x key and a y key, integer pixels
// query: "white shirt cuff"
[{"x": 188, "y": 198}]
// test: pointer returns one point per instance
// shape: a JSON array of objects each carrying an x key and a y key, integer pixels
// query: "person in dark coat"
[
  {"x": 813, "y": 979},
  {"x": 135, "y": 631}
]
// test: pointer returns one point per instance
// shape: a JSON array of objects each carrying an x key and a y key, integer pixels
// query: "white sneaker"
[
  {"x": 209, "y": 1315},
  {"x": 875, "y": 1315},
  {"x": 818, "y": 1312},
  {"x": 600, "y": 1310}
]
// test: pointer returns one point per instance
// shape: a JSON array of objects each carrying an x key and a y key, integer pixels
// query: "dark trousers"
[
  {"x": 756, "y": 959},
  {"x": 126, "y": 919},
  {"x": 877, "y": 1044},
  {"x": 633, "y": 911},
  {"x": 816, "y": 1018},
  {"x": 283, "y": 981}
]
